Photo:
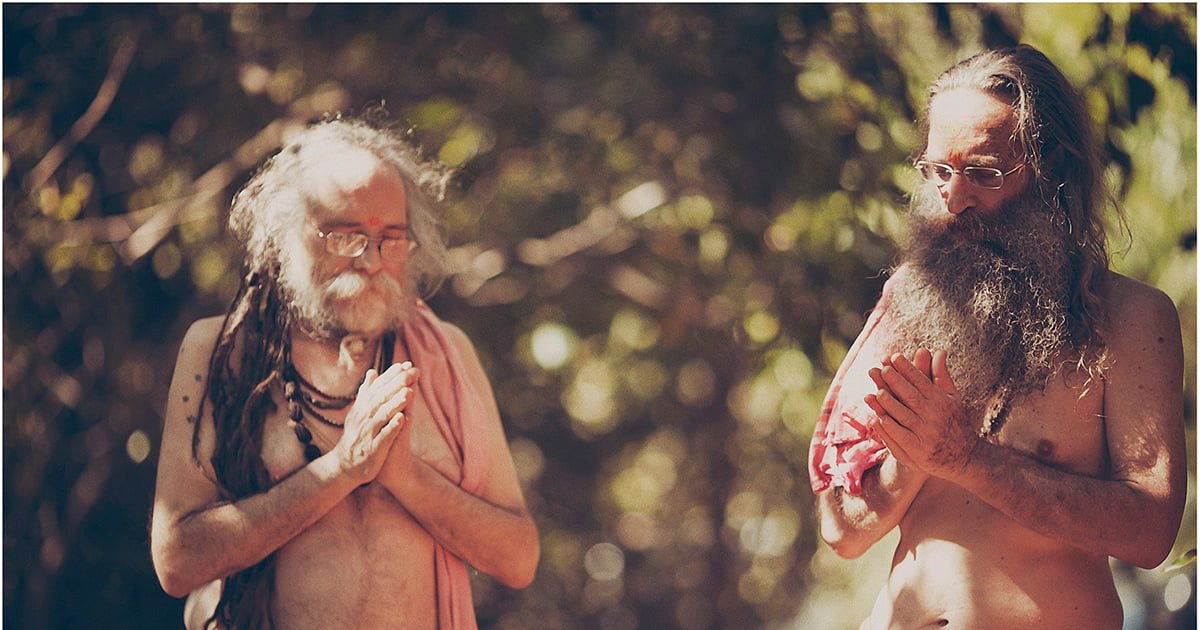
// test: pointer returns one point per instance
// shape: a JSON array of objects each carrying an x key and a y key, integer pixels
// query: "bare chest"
[
  {"x": 283, "y": 453},
  {"x": 367, "y": 562},
  {"x": 1061, "y": 425}
]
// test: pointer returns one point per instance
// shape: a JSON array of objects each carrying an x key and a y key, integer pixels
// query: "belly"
[
  {"x": 979, "y": 569},
  {"x": 365, "y": 564}
]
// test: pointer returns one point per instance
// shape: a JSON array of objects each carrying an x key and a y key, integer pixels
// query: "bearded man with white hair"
[
  {"x": 1013, "y": 406},
  {"x": 332, "y": 454}
]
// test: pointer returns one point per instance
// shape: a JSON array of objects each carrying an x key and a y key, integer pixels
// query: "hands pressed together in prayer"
[
  {"x": 376, "y": 422},
  {"x": 921, "y": 417}
]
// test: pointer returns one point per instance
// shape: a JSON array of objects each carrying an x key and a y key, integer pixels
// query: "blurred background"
[{"x": 668, "y": 226}]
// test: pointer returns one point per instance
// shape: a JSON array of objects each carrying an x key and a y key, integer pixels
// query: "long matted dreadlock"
[{"x": 248, "y": 359}]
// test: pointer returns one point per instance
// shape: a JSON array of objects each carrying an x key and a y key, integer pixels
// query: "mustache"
[{"x": 350, "y": 284}]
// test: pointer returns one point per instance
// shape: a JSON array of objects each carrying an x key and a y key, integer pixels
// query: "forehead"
[
  {"x": 970, "y": 125},
  {"x": 350, "y": 186}
]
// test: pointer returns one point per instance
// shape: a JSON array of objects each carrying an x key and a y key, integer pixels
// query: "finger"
[
  {"x": 898, "y": 411},
  {"x": 368, "y": 378},
  {"x": 872, "y": 401},
  {"x": 389, "y": 405},
  {"x": 893, "y": 435},
  {"x": 877, "y": 376},
  {"x": 941, "y": 373},
  {"x": 389, "y": 432},
  {"x": 403, "y": 398},
  {"x": 923, "y": 360},
  {"x": 395, "y": 423},
  {"x": 394, "y": 379},
  {"x": 919, "y": 380},
  {"x": 900, "y": 384},
  {"x": 408, "y": 377},
  {"x": 396, "y": 371}
]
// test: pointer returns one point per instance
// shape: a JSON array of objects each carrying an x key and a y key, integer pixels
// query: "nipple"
[{"x": 1045, "y": 448}]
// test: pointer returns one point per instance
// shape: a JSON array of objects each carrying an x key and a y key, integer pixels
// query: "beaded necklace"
[{"x": 306, "y": 400}]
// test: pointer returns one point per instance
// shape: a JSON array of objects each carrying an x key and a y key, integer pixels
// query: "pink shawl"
[
  {"x": 459, "y": 410},
  {"x": 844, "y": 446}
]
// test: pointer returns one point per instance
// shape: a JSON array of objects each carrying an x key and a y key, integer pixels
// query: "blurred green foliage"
[{"x": 668, "y": 227}]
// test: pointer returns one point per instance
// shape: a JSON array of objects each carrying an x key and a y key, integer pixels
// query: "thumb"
[
  {"x": 368, "y": 378},
  {"x": 941, "y": 374}
]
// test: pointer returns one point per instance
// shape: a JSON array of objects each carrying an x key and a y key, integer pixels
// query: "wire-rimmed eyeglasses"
[
  {"x": 353, "y": 244},
  {"x": 981, "y": 176}
]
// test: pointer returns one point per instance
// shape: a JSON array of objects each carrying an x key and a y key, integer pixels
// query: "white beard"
[
  {"x": 365, "y": 305},
  {"x": 348, "y": 303}
]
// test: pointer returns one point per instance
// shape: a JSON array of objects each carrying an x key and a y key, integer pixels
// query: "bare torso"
[
  {"x": 367, "y": 563},
  {"x": 962, "y": 564}
]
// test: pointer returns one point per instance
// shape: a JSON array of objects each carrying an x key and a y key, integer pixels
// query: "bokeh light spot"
[
  {"x": 604, "y": 562},
  {"x": 138, "y": 446},
  {"x": 642, "y": 199},
  {"x": 1177, "y": 592},
  {"x": 552, "y": 345}
]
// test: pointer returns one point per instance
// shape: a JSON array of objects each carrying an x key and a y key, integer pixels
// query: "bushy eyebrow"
[{"x": 988, "y": 160}]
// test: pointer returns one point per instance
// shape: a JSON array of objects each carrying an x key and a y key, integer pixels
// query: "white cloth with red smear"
[{"x": 844, "y": 444}]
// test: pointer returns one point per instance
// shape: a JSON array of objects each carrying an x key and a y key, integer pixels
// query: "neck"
[{"x": 332, "y": 360}]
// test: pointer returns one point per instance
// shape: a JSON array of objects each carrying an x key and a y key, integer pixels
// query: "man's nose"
[
  {"x": 958, "y": 194},
  {"x": 370, "y": 260}
]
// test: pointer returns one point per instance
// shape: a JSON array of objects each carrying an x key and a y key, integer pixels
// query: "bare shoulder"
[
  {"x": 184, "y": 472},
  {"x": 201, "y": 337},
  {"x": 189, "y": 386},
  {"x": 1139, "y": 316}
]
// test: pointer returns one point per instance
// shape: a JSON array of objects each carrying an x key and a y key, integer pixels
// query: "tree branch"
[
  {"x": 140, "y": 231},
  {"x": 88, "y": 121}
]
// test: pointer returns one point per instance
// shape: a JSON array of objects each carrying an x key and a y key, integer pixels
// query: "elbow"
[
  {"x": 174, "y": 578},
  {"x": 845, "y": 546},
  {"x": 1151, "y": 552},
  {"x": 521, "y": 567},
  {"x": 1153, "y": 546},
  {"x": 846, "y": 543},
  {"x": 172, "y": 587}
]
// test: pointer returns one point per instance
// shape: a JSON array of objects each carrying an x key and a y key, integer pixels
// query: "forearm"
[
  {"x": 219, "y": 540},
  {"x": 499, "y": 541},
  {"x": 1110, "y": 517},
  {"x": 851, "y": 524}
]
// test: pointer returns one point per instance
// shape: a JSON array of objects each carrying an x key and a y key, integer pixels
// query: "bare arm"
[
  {"x": 493, "y": 531},
  {"x": 851, "y": 524},
  {"x": 196, "y": 537},
  {"x": 1133, "y": 515}
]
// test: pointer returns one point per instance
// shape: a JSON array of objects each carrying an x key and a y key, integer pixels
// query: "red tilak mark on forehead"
[{"x": 373, "y": 221}]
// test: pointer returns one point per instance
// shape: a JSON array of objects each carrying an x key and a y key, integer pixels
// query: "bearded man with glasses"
[
  {"x": 332, "y": 454},
  {"x": 1013, "y": 406}
]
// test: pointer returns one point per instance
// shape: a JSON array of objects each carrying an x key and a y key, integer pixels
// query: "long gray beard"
[{"x": 991, "y": 292}]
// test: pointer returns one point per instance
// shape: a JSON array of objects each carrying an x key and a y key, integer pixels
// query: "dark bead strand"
[
  {"x": 317, "y": 415},
  {"x": 301, "y": 402}
]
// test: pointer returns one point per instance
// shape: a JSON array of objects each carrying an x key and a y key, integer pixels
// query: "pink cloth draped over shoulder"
[
  {"x": 459, "y": 407},
  {"x": 844, "y": 445}
]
